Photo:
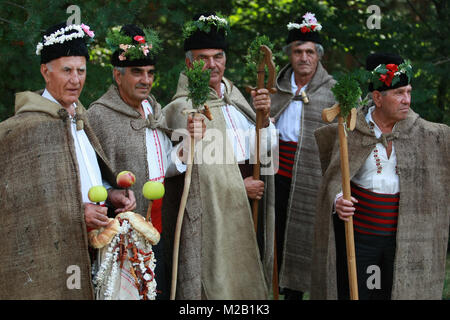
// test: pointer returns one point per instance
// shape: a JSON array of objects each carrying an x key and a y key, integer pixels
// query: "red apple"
[{"x": 125, "y": 179}]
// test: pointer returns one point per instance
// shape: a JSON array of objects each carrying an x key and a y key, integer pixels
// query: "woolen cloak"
[
  {"x": 295, "y": 269},
  {"x": 423, "y": 162},
  {"x": 219, "y": 256},
  {"x": 122, "y": 132},
  {"x": 43, "y": 232}
]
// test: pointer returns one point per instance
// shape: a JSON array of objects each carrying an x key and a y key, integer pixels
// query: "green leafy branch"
[
  {"x": 205, "y": 25},
  {"x": 347, "y": 93},
  {"x": 198, "y": 83},
  {"x": 134, "y": 51},
  {"x": 254, "y": 55}
]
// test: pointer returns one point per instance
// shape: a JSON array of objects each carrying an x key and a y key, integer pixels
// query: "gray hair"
[
  {"x": 49, "y": 66},
  {"x": 120, "y": 69},
  {"x": 190, "y": 56},
  {"x": 288, "y": 49}
]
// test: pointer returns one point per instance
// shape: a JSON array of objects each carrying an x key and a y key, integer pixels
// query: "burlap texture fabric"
[
  {"x": 295, "y": 270},
  {"x": 423, "y": 161},
  {"x": 121, "y": 131},
  {"x": 44, "y": 252},
  {"x": 122, "y": 134},
  {"x": 219, "y": 255}
]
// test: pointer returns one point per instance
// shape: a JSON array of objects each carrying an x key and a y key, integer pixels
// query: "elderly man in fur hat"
[
  {"x": 399, "y": 170},
  {"x": 50, "y": 158},
  {"x": 131, "y": 128},
  {"x": 219, "y": 255},
  {"x": 303, "y": 91}
]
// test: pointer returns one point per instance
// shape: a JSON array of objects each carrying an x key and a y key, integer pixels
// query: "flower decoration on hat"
[
  {"x": 205, "y": 23},
  {"x": 389, "y": 74},
  {"x": 134, "y": 48},
  {"x": 309, "y": 24},
  {"x": 65, "y": 34}
]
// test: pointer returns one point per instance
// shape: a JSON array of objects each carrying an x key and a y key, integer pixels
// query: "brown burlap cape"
[
  {"x": 44, "y": 251},
  {"x": 423, "y": 161},
  {"x": 219, "y": 256},
  {"x": 121, "y": 132},
  {"x": 295, "y": 270}
]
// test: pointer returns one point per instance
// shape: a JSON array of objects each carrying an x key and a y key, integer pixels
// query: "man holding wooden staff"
[
  {"x": 399, "y": 170},
  {"x": 219, "y": 255},
  {"x": 303, "y": 91}
]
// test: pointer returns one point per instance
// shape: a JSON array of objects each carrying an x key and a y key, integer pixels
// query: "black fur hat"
[
  {"x": 57, "y": 42},
  {"x": 132, "y": 31},
  {"x": 215, "y": 38},
  {"x": 374, "y": 60}
]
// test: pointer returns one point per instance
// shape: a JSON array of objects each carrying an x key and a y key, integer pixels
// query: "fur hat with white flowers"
[
  {"x": 64, "y": 40},
  {"x": 306, "y": 30},
  {"x": 206, "y": 31}
]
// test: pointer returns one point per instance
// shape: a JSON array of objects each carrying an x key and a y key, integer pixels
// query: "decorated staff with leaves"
[
  {"x": 303, "y": 91},
  {"x": 50, "y": 158},
  {"x": 399, "y": 181},
  {"x": 219, "y": 256},
  {"x": 347, "y": 93},
  {"x": 198, "y": 86},
  {"x": 132, "y": 129},
  {"x": 259, "y": 59}
]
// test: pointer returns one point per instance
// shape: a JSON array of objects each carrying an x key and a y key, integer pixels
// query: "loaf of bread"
[
  {"x": 99, "y": 238},
  {"x": 145, "y": 228}
]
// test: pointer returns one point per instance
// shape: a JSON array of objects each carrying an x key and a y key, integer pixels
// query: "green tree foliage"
[
  {"x": 416, "y": 29},
  {"x": 347, "y": 93},
  {"x": 198, "y": 83}
]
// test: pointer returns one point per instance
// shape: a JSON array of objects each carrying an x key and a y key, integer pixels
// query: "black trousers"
[
  {"x": 375, "y": 257},
  {"x": 282, "y": 189}
]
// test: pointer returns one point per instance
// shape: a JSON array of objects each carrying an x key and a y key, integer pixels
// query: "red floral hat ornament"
[
  {"x": 307, "y": 30},
  {"x": 133, "y": 46},
  {"x": 389, "y": 74}
]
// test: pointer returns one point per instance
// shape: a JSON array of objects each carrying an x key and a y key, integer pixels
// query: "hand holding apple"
[
  {"x": 125, "y": 179},
  {"x": 97, "y": 194}
]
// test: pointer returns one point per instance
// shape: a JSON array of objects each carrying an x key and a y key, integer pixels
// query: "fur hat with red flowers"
[
  {"x": 387, "y": 71},
  {"x": 306, "y": 30},
  {"x": 133, "y": 46}
]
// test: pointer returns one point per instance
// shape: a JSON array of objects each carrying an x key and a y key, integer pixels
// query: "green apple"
[
  {"x": 153, "y": 190},
  {"x": 97, "y": 194}
]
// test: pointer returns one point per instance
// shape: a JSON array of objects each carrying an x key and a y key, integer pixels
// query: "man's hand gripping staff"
[
  {"x": 261, "y": 55},
  {"x": 347, "y": 93},
  {"x": 198, "y": 92}
]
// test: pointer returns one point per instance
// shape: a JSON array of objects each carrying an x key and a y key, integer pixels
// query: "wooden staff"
[
  {"x": 267, "y": 60},
  {"x": 328, "y": 115},
  {"x": 187, "y": 184}
]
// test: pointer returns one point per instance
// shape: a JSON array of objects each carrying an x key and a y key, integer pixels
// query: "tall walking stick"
[
  {"x": 261, "y": 55},
  {"x": 347, "y": 93},
  {"x": 264, "y": 58},
  {"x": 198, "y": 92}
]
